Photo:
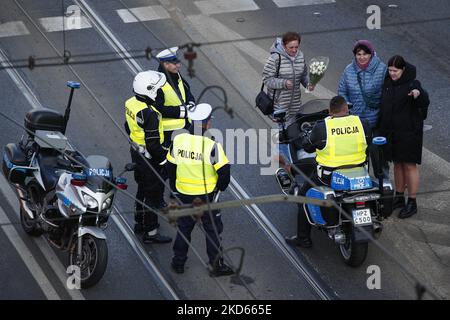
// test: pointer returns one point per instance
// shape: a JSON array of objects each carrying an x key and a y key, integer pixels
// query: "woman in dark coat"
[{"x": 401, "y": 121}]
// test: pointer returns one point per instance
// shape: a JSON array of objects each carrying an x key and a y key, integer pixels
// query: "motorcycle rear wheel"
[
  {"x": 94, "y": 259},
  {"x": 353, "y": 253}
]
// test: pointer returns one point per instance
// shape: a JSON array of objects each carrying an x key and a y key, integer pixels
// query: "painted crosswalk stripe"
[
  {"x": 143, "y": 14},
  {"x": 295, "y": 3},
  {"x": 13, "y": 28},
  {"x": 54, "y": 24},
  {"x": 208, "y": 7}
]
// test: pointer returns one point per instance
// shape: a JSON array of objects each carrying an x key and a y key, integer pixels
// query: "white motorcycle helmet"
[{"x": 147, "y": 83}]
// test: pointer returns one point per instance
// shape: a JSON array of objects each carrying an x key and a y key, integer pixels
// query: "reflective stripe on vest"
[
  {"x": 137, "y": 134},
  {"x": 171, "y": 99},
  {"x": 346, "y": 143},
  {"x": 195, "y": 173}
]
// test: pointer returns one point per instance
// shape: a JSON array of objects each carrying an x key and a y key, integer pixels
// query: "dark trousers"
[
  {"x": 212, "y": 225},
  {"x": 150, "y": 190},
  {"x": 303, "y": 226}
]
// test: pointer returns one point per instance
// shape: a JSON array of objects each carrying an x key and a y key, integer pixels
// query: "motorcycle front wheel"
[
  {"x": 353, "y": 253},
  {"x": 36, "y": 194},
  {"x": 93, "y": 260},
  {"x": 29, "y": 225}
]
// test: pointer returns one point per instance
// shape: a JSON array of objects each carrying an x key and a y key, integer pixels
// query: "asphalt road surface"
[{"x": 29, "y": 269}]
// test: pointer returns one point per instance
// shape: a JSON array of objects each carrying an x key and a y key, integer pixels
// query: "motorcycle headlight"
[
  {"x": 106, "y": 204},
  {"x": 90, "y": 201}
]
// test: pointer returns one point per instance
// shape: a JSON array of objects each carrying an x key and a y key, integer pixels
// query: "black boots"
[
  {"x": 409, "y": 210},
  {"x": 399, "y": 201},
  {"x": 221, "y": 269},
  {"x": 156, "y": 238},
  {"x": 299, "y": 242},
  {"x": 178, "y": 268}
]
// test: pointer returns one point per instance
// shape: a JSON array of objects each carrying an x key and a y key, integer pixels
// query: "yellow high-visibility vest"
[
  {"x": 346, "y": 142},
  {"x": 196, "y": 175},
  {"x": 137, "y": 134},
  {"x": 172, "y": 100}
]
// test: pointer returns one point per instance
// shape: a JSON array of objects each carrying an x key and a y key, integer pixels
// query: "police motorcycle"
[
  {"x": 63, "y": 195},
  {"x": 362, "y": 201}
]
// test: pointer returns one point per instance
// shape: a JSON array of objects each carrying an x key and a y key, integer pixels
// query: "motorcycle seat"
[{"x": 16, "y": 155}]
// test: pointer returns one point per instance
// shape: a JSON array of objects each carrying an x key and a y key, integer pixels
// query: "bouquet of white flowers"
[{"x": 317, "y": 68}]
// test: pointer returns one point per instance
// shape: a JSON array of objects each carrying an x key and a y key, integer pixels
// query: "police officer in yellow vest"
[
  {"x": 341, "y": 140},
  {"x": 198, "y": 167},
  {"x": 143, "y": 124},
  {"x": 175, "y": 93}
]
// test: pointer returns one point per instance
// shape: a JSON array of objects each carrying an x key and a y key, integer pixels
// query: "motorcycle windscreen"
[
  {"x": 99, "y": 174},
  {"x": 99, "y": 179}
]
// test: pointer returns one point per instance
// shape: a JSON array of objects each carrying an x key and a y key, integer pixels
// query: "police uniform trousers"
[
  {"x": 213, "y": 228},
  {"x": 150, "y": 190}
]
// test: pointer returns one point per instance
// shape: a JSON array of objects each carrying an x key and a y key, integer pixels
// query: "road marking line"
[
  {"x": 20, "y": 83},
  {"x": 296, "y": 3},
  {"x": 54, "y": 24},
  {"x": 27, "y": 257},
  {"x": 57, "y": 267},
  {"x": 223, "y": 6},
  {"x": 143, "y": 14},
  {"x": 12, "y": 29}
]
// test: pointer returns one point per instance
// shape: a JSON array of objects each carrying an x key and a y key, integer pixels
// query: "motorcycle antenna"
[{"x": 72, "y": 85}]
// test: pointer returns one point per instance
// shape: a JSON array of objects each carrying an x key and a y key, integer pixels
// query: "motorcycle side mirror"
[{"x": 130, "y": 166}]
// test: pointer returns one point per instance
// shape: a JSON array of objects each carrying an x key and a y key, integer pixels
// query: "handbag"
[
  {"x": 263, "y": 101},
  {"x": 369, "y": 104}
]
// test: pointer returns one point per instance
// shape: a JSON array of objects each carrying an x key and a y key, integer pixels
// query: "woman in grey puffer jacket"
[{"x": 293, "y": 72}]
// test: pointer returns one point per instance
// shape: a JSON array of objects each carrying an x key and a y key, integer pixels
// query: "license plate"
[{"x": 361, "y": 217}]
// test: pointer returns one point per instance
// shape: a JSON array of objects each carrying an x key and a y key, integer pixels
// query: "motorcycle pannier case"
[
  {"x": 44, "y": 119},
  {"x": 322, "y": 216},
  {"x": 13, "y": 157}
]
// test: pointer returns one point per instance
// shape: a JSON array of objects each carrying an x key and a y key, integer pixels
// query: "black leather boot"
[
  {"x": 299, "y": 242},
  {"x": 409, "y": 210},
  {"x": 221, "y": 269},
  {"x": 156, "y": 238}
]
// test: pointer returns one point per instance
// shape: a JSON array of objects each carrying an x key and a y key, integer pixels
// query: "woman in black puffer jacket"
[{"x": 401, "y": 121}]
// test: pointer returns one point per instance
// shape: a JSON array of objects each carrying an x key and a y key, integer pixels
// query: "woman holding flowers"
[
  {"x": 285, "y": 70},
  {"x": 293, "y": 73},
  {"x": 401, "y": 117}
]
